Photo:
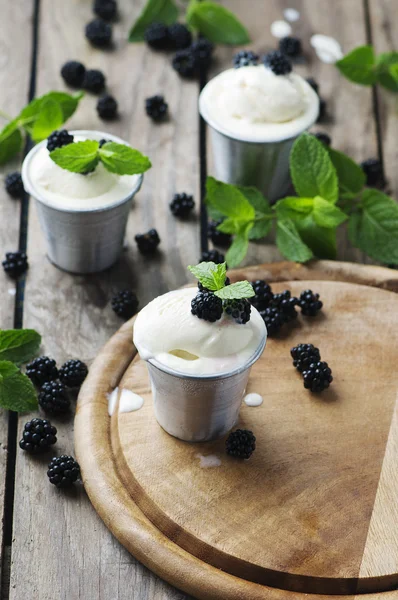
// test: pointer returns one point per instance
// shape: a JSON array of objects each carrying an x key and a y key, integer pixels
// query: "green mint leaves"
[
  {"x": 19, "y": 345},
  {"x": 83, "y": 157},
  {"x": 362, "y": 66},
  {"x": 213, "y": 276},
  {"x": 38, "y": 119},
  {"x": 214, "y": 21},
  {"x": 236, "y": 291}
]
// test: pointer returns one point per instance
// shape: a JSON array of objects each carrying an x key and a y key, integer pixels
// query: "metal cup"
[
  {"x": 87, "y": 240},
  {"x": 199, "y": 408}
]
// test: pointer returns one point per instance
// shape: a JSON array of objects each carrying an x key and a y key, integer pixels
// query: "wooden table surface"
[{"x": 54, "y": 546}]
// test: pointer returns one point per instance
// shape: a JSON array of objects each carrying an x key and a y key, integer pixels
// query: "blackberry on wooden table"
[
  {"x": 263, "y": 294},
  {"x": 156, "y": 36},
  {"x": 14, "y": 185},
  {"x": 156, "y": 107},
  {"x": 219, "y": 238},
  {"x": 72, "y": 72},
  {"x": 53, "y": 398},
  {"x": 290, "y": 46},
  {"x": 241, "y": 443},
  {"x": 309, "y": 303},
  {"x": 99, "y": 33},
  {"x": 94, "y": 81},
  {"x": 125, "y": 304},
  {"x": 148, "y": 242},
  {"x": 212, "y": 256},
  {"x": 182, "y": 205},
  {"x": 277, "y": 62},
  {"x": 42, "y": 369},
  {"x": 184, "y": 63},
  {"x": 317, "y": 376},
  {"x": 286, "y": 305},
  {"x": 15, "y": 264},
  {"x": 245, "y": 58},
  {"x": 202, "y": 51},
  {"x": 105, "y": 9},
  {"x": 38, "y": 436},
  {"x": 179, "y": 36},
  {"x": 107, "y": 107},
  {"x": 272, "y": 319},
  {"x": 303, "y": 355},
  {"x": 63, "y": 471},
  {"x": 73, "y": 373}
]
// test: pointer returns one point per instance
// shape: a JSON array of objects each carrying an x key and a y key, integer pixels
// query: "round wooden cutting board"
[{"x": 315, "y": 509}]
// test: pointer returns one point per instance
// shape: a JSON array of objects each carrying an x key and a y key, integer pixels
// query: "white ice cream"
[
  {"x": 254, "y": 104},
  {"x": 167, "y": 331},
  {"x": 64, "y": 189}
]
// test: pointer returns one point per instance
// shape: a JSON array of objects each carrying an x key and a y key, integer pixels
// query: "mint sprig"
[
  {"x": 363, "y": 67},
  {"x": 19, "y": 345},
  {"x": 213, "y": 276},
  {"x": 83, "y": 157}
]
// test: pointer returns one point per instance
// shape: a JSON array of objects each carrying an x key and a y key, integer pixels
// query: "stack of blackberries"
[{"x": 317, "y": 374}]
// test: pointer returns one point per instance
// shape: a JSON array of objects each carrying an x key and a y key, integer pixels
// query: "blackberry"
[
  {"x": 314, "y": 84},
  {"x": 239, "y": 310},
  {"x": 182, "y": 205},
  {"x": 212, "y": 256},
  {"x": 125, "y": 304},
  {"x": 179, "y": 36},
  {"x": 184, "y": 63},
  {"x": 103, "y": 142},
  {"x": 73, "y": 73},
  {"x": 63, "y": 471},
  {"x": 105, "y": 9},
  {"x": 14, "y": 185},
  {"x": 207, "y": 306},
  {"x": 245, "y": 58},
  {"x": 41, "y": 370},
  {"x": 99, "y": 33},
  {"x": 322, "y": 109},
  {"x": 218, "y": 237},
  {"x": 277, "y": 62},
  {"x": 303, "y": 355},
  {"x": 202, "y": 51},
  {"x": 59, "y": 138},
  {"x": 272, "y": 319},
  {"x": 323, "y": 137},
  {"x": 53, "y": 398},
  {"x": 156, "y": 107},
  {"x": 148, "y": 242},
  {"x": 15, "y": 264},
  {"x": 156, "y": 36},
  {"x": 94, "y": 81},
  {"x": 38, "y": 435},
  {"x": 73, "y": 373},
  {"x": 241, "y": 443},
  {"x": 263, "y": 295},
  {"x": 201, "y": 288},
  {"x": 374, "y": 172},
  {"x": 286, "y": 305},
  {"x": 309, "y": 303},
  {"x": 107, "y": 107},
  {"x": 317, "y": 377},
  {"x": 290, "y": 46}
]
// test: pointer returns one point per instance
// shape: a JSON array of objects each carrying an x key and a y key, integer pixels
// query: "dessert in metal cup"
[{"x": 199, "y": 344}]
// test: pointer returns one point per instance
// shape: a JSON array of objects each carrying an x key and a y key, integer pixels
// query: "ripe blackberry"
[
  {"x": 125, "y": 304},
  {"x": 202, "y": 51},
  {"x": 323, "y": 137},
  {"x": 63, "y": 471},
  {"x": 148, "y": 242},
  {"x": 374, "y": 172},
  {"x": 207, "y": 306},
  {"x": 314, "y": 84},
  {"x": 239, "y": 310},
  {"x": 156, "y": 107},
  {"x": 290, "y": 46},
  {"x": 184, "y": 63},
  {"x": 303, "y": 355},
  {"x": 182, "y": 205},
  {"x": 245, "y": 58},
  {"x": 15, "y": 264},
  {"x": 201, "y": 288},
  {"x": 73, "y": 373},
  {"x": 263, "y": 295},
  {"x": 156, "y": 36},
  {"x": 218, "y": 237},
  {"x": 317, "y": 377},
  {"x": 59, "y": 138},
  {"x": 179, "y": 36},
  {"x": 322, "y": 110},
  {"x": 309, "y": 303},
  {"x": 94, "y": 81},
  {"x": 53, "y": 398},
  {"x": 38, "y": 435},
  {"x": 14, "y": 185},
  {"x": 73, "y": 73},
  {"x": 277, "y": 62},
  {"x": 99, "y": 33},
  {"x": 241, "y": 443},
  {"x": 272, "y": 319},
  {"x": 105, "y": 9},
  {"x": 286, "y": 305},
  {"x": 41, "y": 370},
  {"x": 107, "y": 107},
  {"x": 212, "y": 256}
]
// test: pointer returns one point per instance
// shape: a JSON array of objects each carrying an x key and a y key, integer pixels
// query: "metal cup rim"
[{"x": 39, "y": 198}]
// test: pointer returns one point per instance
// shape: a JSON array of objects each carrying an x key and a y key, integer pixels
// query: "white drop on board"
[
  {"x": 211, "y": 460},
  {"x": 112, "y": 398},
  {"x": 129, "y": 401},
  {"x": 291, "y": 14},
  {"x": 253, "y": 399},
  {"x": 327, "y": 49},
  {"x": 12, "y": 291},
  {"x": 280, "y": 29}
]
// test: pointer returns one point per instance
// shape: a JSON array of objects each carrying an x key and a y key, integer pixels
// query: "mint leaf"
[
  {"x": 326, "y": 214},
  {"x": 264, "y": 213},
  {"x": 210, "y": 275},
  {"x": 213, "y": 213},
  {"x": 67, "y": 102},
  {"x": 290, "y": 243},
  {"x": 229, "y": 200},
  {"x": 387, "y": 70},
  {"x": 238, "y": 249},
  {"x": 374, "y": 227},
  {"x": 359, "y": 65},
  {"x": 163, "y": 11},
  {"x": 321, "y": 240},
  {"x": 229, "y": 225},
  {"x": 261, "y": 227},
  {"x": 16, "y": 389},
  {"x": 49, "y": 118},
  {"x": 19, "y": 345},
  {"x": 216, "y": 23},
  {"x": 294, "y": 208},
  {"x": 312, "y": 170},
  {"x": 123, "y": 160},
  {"x": 350, "y": 175},
  {"x": 236, "y": 291},
  {"x": 10, "y": 141},
  {"x": 78, "y": 157},
  {"x": 256, "y": 199}
]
